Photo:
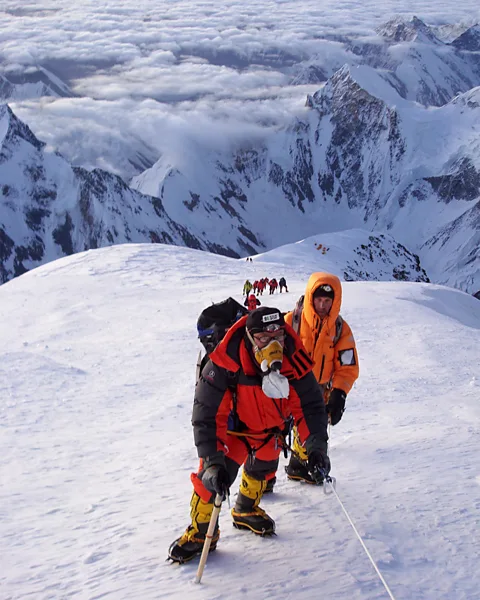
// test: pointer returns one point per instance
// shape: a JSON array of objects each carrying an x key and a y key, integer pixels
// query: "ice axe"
[{"x": 217, "y": 505}]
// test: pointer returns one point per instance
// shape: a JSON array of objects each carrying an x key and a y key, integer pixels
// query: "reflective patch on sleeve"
[{"x": 346, "y": 357}]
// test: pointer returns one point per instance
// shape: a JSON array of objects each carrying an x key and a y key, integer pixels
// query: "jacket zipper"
[
  {"x": 323, "y": 356},
  {"x": 321, "y": 369}
]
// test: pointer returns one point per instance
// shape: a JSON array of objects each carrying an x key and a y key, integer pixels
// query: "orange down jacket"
[{"x": 337, "y": 365}]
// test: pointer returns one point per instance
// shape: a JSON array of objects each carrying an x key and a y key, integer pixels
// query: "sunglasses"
[{"x": 263, "y": 339}]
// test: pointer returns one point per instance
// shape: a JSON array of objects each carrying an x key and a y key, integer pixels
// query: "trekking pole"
[
  {"x": 217, "y": 505},
  {"x": 331, "y": 482}
]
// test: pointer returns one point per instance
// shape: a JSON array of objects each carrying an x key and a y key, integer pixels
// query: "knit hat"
[
  {"x": 325, "y": 290},
  {"x": 265, "y": 319}
]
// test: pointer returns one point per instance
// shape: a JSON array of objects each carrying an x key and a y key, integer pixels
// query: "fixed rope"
[{"x": 331, "y": 482}]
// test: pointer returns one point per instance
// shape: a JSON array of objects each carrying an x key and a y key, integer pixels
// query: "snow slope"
[
  {"x": 96, "y": 380},
  {"x": 353, "y": 254}
]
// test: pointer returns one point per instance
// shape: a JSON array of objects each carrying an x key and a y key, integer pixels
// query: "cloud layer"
[{"x": 149, "y": 73}]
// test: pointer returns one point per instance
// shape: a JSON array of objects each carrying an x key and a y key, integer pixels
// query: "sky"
[
  {"x": 146, "y": 74},
  {"x": 97, "y": 369}
]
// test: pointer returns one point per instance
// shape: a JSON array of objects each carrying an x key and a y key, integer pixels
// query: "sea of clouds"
[{"x": 147, "y": 75}]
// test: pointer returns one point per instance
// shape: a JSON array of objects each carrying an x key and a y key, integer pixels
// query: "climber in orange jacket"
[
  {"x": 329, "y": 341},
  {"x": 326, "y": 336}
]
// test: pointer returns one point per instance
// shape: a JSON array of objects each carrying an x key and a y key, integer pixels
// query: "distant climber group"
[
  {"x": 260, "y": 285},
  {"x": 321, "y": 247}
]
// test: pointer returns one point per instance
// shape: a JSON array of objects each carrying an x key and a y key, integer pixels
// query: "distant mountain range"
[
  {"x": 389, "y": 143},
  {"x": 412, "y": 59},
  {"x": 33, "y": 83}
]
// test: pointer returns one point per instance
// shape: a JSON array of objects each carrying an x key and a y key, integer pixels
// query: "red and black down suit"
[{"x": 258, "y": 417}]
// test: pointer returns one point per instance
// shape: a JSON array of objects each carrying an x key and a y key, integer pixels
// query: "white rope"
[{"x": 389, "y": 592}]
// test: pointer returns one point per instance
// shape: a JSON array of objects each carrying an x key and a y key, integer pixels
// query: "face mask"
[
  {"x": 270, "y": 357},
  {"x": 274, "y": 385}
]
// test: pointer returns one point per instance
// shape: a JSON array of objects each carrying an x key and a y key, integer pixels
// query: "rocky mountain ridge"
[
  {"x": 49, "y": 209},
  {"x": 60, "y": 210},
  {"x": 361, "y": 157}
]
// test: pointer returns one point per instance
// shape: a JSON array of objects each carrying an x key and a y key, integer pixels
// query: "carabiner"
[{"x": 333, "y": 483}]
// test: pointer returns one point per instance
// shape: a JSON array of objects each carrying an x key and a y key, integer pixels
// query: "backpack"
[
  {"x": 212, "y": 324},
  {"x": 297, "y": 315}
]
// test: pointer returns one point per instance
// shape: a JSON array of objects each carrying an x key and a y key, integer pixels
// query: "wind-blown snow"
[{"x": 96, "y": 379}]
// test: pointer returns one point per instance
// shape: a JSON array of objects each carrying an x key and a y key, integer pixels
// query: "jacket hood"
[{"x": 315, "y": 281}]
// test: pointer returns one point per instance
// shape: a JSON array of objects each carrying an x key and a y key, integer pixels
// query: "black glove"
[
  {"x": 318, "y": 465},
  {"x": 216, "y": 480},
  {"x": 336, "y": 405}
]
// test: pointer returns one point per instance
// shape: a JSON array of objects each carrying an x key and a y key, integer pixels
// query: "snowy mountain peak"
[
  {"x": 34, "y": 82},
  {"x": 470, "y": 98},
  {"x": 342, "y": 94},
  {"x": 468, "y": 40},
  {"x": 346, "y": 99},
  {"x": 11, "y": 128},
  {"x": 49, "y": 208},
  {"x": 400, "y": 30}
]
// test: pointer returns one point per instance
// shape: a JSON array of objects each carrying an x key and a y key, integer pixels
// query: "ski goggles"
[{"x": 326, "y": 288}]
